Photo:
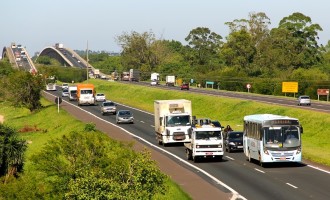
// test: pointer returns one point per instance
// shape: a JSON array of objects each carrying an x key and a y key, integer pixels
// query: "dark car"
[
  {"x": 185, "y": 86},
  {"x": 233, "y": 141},
  {"x": 216, "y": 123}
]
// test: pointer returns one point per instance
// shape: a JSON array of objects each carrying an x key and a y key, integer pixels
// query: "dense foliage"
[
  {"x": 251, "y": 53},
  {"x": 89, "y": 165},
  {"x": 23, "y": 89},
  {"x": 12, "y": 151}
]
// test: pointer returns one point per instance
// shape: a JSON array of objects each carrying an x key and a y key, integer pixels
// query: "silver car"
[
  {"x": 108, "y": 107},
  {"x": 304, "y": 100},
  {"x": 124, "y": 116}
]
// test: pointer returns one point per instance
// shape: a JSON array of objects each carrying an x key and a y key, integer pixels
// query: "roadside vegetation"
[
  {"x": 251, "y": 53},
  {"x": 316, "y": 146},
  {"x": 50, "y": 155},
  {"x": 67, "y": 159}
]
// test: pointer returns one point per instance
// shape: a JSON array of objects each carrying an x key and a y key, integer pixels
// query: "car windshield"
[
  {"x": 236, "y": 135},
  {"x": 124, "y": 112},
  {"x": 99, "y": 94},
  {"x": 65, "y": 90},
  {"x": 109, "y": 104},
  {"x": 304, "y": 97}
]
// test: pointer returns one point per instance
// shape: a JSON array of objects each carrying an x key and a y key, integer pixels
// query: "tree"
[
  {"x": 303, "y": 35},
  {"x": 205, "y": 43},
  {"x": 24, "y": 89},
  {"x": 239, "y": 50},
  {"x": 12, "y": 151}
]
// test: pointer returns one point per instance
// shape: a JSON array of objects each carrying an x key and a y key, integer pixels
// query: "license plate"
[
  {"x": 209, "y": 153},
  {"x": 240, "y": 147},
  {"x": 282, "y": 158}
]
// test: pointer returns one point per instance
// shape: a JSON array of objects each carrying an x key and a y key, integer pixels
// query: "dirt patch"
[{"x": 2, "y": 119}]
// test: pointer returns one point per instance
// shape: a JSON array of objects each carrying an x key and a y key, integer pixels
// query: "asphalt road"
[{"x": 234, "y": 173}]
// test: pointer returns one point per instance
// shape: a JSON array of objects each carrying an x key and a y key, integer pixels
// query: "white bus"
[
  {"x": 50, "y": 83},
  {"x": 272, "y": 138}
]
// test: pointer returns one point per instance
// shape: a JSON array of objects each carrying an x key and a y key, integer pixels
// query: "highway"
[
  {"x": 234, "y": 172},
  {"x": 320, "y": 106}
]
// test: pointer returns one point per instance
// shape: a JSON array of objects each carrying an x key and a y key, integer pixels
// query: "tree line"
[{"x": 251, "y": 53}]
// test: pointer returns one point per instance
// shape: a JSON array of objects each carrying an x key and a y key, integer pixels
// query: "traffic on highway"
[{"x": 248, "y": 180}]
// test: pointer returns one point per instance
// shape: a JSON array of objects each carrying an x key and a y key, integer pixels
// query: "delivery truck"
[
  {"x": 73, "y": 93},
  {"x": 170, "y": 80},
  {"x": 85, "y": 94},
  {"x": 172, "y": 120},
  {"x": 206, "y": 141},
  {"x": 134, "y": 75}
]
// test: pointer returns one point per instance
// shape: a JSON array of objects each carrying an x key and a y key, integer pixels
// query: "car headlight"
[{"x": 232, "y": 143}]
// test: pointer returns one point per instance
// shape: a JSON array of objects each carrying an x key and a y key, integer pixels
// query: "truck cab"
[{"x": 206, "y": 141}]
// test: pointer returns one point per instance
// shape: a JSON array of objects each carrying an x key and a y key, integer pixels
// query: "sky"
[{"x": 36, "y": 24}]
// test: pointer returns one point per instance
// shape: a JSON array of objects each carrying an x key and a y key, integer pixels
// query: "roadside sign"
[
  {"x": 291, "y": 87},
  {"x": 248, "y": 86},
  {"x": 58, "y": 100},
  {"x": 322, "y": 91}
]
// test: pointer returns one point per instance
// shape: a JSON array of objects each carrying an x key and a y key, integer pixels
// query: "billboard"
[{"x": 291, "y": 87}]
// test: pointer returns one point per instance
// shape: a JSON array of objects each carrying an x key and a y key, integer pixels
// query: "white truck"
[
  {"x": 154, "y": 79},
  {"x": 172, "y": 121},
  {"x": 134, "y": 75},
  {"x": 170, "y": 80},
  {"x": 206, "y": 141},
  {"x": 72, "y": 93}
]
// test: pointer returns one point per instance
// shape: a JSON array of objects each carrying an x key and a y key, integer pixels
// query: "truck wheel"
[
  {"x": 195, "y": 159},
  {"x": 160, "y": 142}
]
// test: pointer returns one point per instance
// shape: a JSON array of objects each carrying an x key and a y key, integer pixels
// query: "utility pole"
[{"x": 87, "y": 61}]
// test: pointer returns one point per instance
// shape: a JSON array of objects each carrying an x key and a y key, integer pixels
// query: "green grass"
[
  {"x": 316, "y": 145},
  {"x": 52, "y": 124}
]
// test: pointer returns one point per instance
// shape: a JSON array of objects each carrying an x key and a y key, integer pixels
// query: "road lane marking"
[
  {"x": 236, "y": 195},
  {"x": 322, "y": 170},
  {"x": 230, "y": 158},
  {"x": 259, "y": 170},
  {"x": 142, "y": 122},
  {"x": 295, "y": 187}
]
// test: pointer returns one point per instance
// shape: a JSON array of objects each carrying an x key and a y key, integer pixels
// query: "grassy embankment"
[
  {"x": 316, "y": 145},
  {"x": 50, "y": 125}
]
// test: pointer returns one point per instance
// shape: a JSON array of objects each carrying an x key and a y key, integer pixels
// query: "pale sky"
[{"x": 39, "y": 23}]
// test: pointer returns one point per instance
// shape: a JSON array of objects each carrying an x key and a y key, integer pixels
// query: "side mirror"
[{"x": 301, "y": 129}]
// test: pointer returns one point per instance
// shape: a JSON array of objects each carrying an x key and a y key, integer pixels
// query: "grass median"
[{"x": 315, "y": 143}]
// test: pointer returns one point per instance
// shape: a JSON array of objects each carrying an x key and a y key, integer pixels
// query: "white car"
[
  {"x": 65, "y": 92},
  {"x": 65, "y": 86},
  {"x": 100, "y": 97},
  {"x": 304, "y": 100}
]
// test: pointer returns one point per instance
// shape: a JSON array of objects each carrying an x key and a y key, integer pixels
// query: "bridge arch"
[{"x": 56, "y": 54}]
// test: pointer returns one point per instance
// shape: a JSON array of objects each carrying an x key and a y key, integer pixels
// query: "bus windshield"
[
  {"x": 281, "y": 137},
  {"x": 181, "y": 120}
]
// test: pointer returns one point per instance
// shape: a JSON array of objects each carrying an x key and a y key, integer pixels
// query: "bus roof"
[{"x": 260, "y": 118}]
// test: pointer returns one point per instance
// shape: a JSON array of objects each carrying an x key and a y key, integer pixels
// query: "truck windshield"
[
  {"x": 86, "y": 91},
  {"x": 205, "y": 135},
  {"x": 281, "y": 137},
  {"x": 182, "y": 120}
]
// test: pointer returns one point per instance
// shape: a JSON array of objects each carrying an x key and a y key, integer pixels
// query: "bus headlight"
[
  {"x": 298, "y": 150},
  {"x": 220, "y": 146},
  {"x": 266, "y": 151}
]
